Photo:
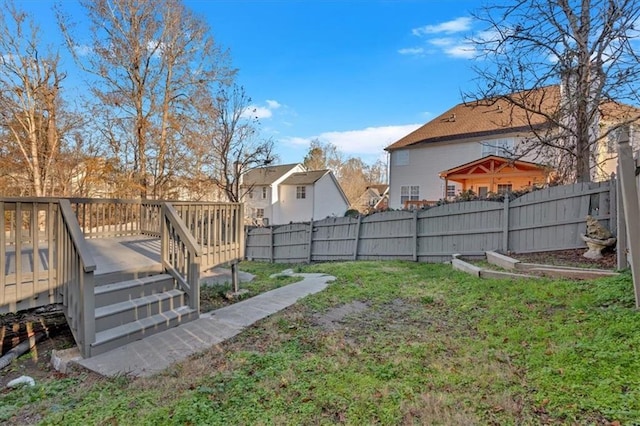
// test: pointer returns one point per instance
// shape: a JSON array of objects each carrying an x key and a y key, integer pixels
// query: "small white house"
[{"x": 288, "y": 193}]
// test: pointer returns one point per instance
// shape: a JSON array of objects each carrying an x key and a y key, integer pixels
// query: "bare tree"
[
  {"x": 30, "y": 100},
  {"x": 586, "y": 46},
  {"x": 353, "y": 174},
  {"x": 235, "y": 146},
  {"x": 323, "y": 155},
  {"x": 148, "y": 58}
]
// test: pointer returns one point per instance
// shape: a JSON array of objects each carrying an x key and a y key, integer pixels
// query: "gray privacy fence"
[{"x": 543, "y": 220}]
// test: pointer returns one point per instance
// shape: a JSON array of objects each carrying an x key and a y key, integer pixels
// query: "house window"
[
  {"x": 451, "y": 190},
  {"x": 409, "y": 193},
  {"x": 260, "y": 213},
  {"x": 264, "y": 192},
  {"x": 250, "y": 193},
  {"x": 400, "y": 158},
  {"x": 504, "y": 188},
  {"x": 612, "y": 141},
  {"x": 501, "y": 147},
  {"x": 483, "y": 191},
  {"x": 301, "y": 192}
]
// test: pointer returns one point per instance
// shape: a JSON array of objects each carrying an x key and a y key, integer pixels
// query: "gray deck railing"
[
  {"x": 217, "y": 227},
  {"x": 27, "y": 249},
  {"x": 75, "y": 267},
  {"x": 180, "y": 254},
  {"x": 104, "y": 218},
  {"x": 32, "y": 225},
  {"x": 44, "y": 259}
]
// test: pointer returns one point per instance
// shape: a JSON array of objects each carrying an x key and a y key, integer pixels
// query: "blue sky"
[{"x": 359, "y": 74}]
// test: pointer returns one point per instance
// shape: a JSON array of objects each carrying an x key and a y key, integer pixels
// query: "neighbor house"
[
  {"x": 374, "y": 198},
  {"x": 288, "y": 193},
  {"x": 472, "y": 145}
]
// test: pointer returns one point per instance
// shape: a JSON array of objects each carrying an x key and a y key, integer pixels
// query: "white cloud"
[
  {"x": 444, "y": 39},
  {"x": 369, "y": 142},
  {"x": 411, "y": 51},
  {"x": 261, "y": 111},
  {"x": 255, "y": 111},
  {"x": 463, "y": 50},
  {"x": 440, "y": 42},
  {"x": 450, "y": 27}
]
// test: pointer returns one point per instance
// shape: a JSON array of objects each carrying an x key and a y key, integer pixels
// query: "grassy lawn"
[{"x": 389, "y": 343}]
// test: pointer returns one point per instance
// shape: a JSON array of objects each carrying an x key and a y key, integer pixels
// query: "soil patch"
[
  {"x": 333, "y": 319},
  {"x": 569, "y": 258}
]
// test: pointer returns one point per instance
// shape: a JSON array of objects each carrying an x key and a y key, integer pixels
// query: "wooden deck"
[
  {"x": 150, "y": 253},
  {"x": 111, "y": 255}
]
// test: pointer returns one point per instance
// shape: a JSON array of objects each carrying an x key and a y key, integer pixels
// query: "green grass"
[
  {"x": 216, "y": 296},
  {"x": 432, "y": 346}
]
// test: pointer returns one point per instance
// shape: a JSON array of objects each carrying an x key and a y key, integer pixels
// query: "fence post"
[
  {"x": 631, "y": 207},
  {"x": 309, "y": 251},
  {"x": 505, "y": 225},
  {"x": 415, "y": 235},
  {"x": 271, "y": 254},
  {"x": 357, "y": 239},
  {"x": 621, "y": 226}
]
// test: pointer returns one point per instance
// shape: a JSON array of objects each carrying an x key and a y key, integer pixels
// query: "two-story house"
[
  {"x": 288, "y": 193},
  {"x": 472, "y": 146}
]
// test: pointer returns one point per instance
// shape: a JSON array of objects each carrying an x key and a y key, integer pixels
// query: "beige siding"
[{"x": 427, "y": 161}]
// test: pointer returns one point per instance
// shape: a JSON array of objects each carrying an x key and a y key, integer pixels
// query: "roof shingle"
[{"x": 495, "y": 116}]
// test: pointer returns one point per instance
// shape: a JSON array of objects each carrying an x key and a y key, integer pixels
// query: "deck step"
[
  {"x": 119, "y": 336},
  {"x": 120, "y": 313},
  {"x": 128, "y": 274},
  {"x": 125, "y": 290}
]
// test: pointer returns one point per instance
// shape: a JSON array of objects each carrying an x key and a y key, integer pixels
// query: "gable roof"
[
  {"x": 379, "y": 189},
  {"x": 489, "y": 162},
  {"x": 266, "y": 175},
  {"x": 304, "y": 178},
  {"x": 311, "y": 177},
  {"x": 498, "y": 116}
]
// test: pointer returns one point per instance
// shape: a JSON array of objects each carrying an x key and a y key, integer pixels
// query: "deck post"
[
  {"x": 194, "y": 282},
  {"x": 234, "y": 277}
]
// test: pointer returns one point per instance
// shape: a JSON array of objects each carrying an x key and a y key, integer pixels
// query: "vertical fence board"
[{"x": 548, "y": 219}]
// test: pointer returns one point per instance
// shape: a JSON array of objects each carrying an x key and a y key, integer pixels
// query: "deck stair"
[
  {"x": 133, "y": 309},
  {"x": 121, "y": 269}
]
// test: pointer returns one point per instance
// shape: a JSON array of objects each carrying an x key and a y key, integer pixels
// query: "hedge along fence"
[{"x": 543, "y": 220}]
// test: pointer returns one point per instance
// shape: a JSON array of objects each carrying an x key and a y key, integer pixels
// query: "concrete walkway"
[{"x": 155, "y": 353}]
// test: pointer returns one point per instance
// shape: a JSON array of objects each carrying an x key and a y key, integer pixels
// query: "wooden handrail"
[
  {"x": 89, "y": 264},
  {"x": 186, "y": 237},
  {"x": 181, "y": 254}
]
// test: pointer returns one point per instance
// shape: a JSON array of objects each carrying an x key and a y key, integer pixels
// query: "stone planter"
[{"x": 596, "y": 246}]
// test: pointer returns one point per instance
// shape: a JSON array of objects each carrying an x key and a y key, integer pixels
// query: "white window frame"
[
  {"x": 260, "y": 213},
  {"x": 264, "y": 192},
  {"x": 503, "y": 147},
  {"x": 506, "y": 187},
  {"x": 400, "y": 158},
  {"x": 301, "y": 192},
  {"x": 409, "y": 193},
  {"x": 451, "y": 190}
]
